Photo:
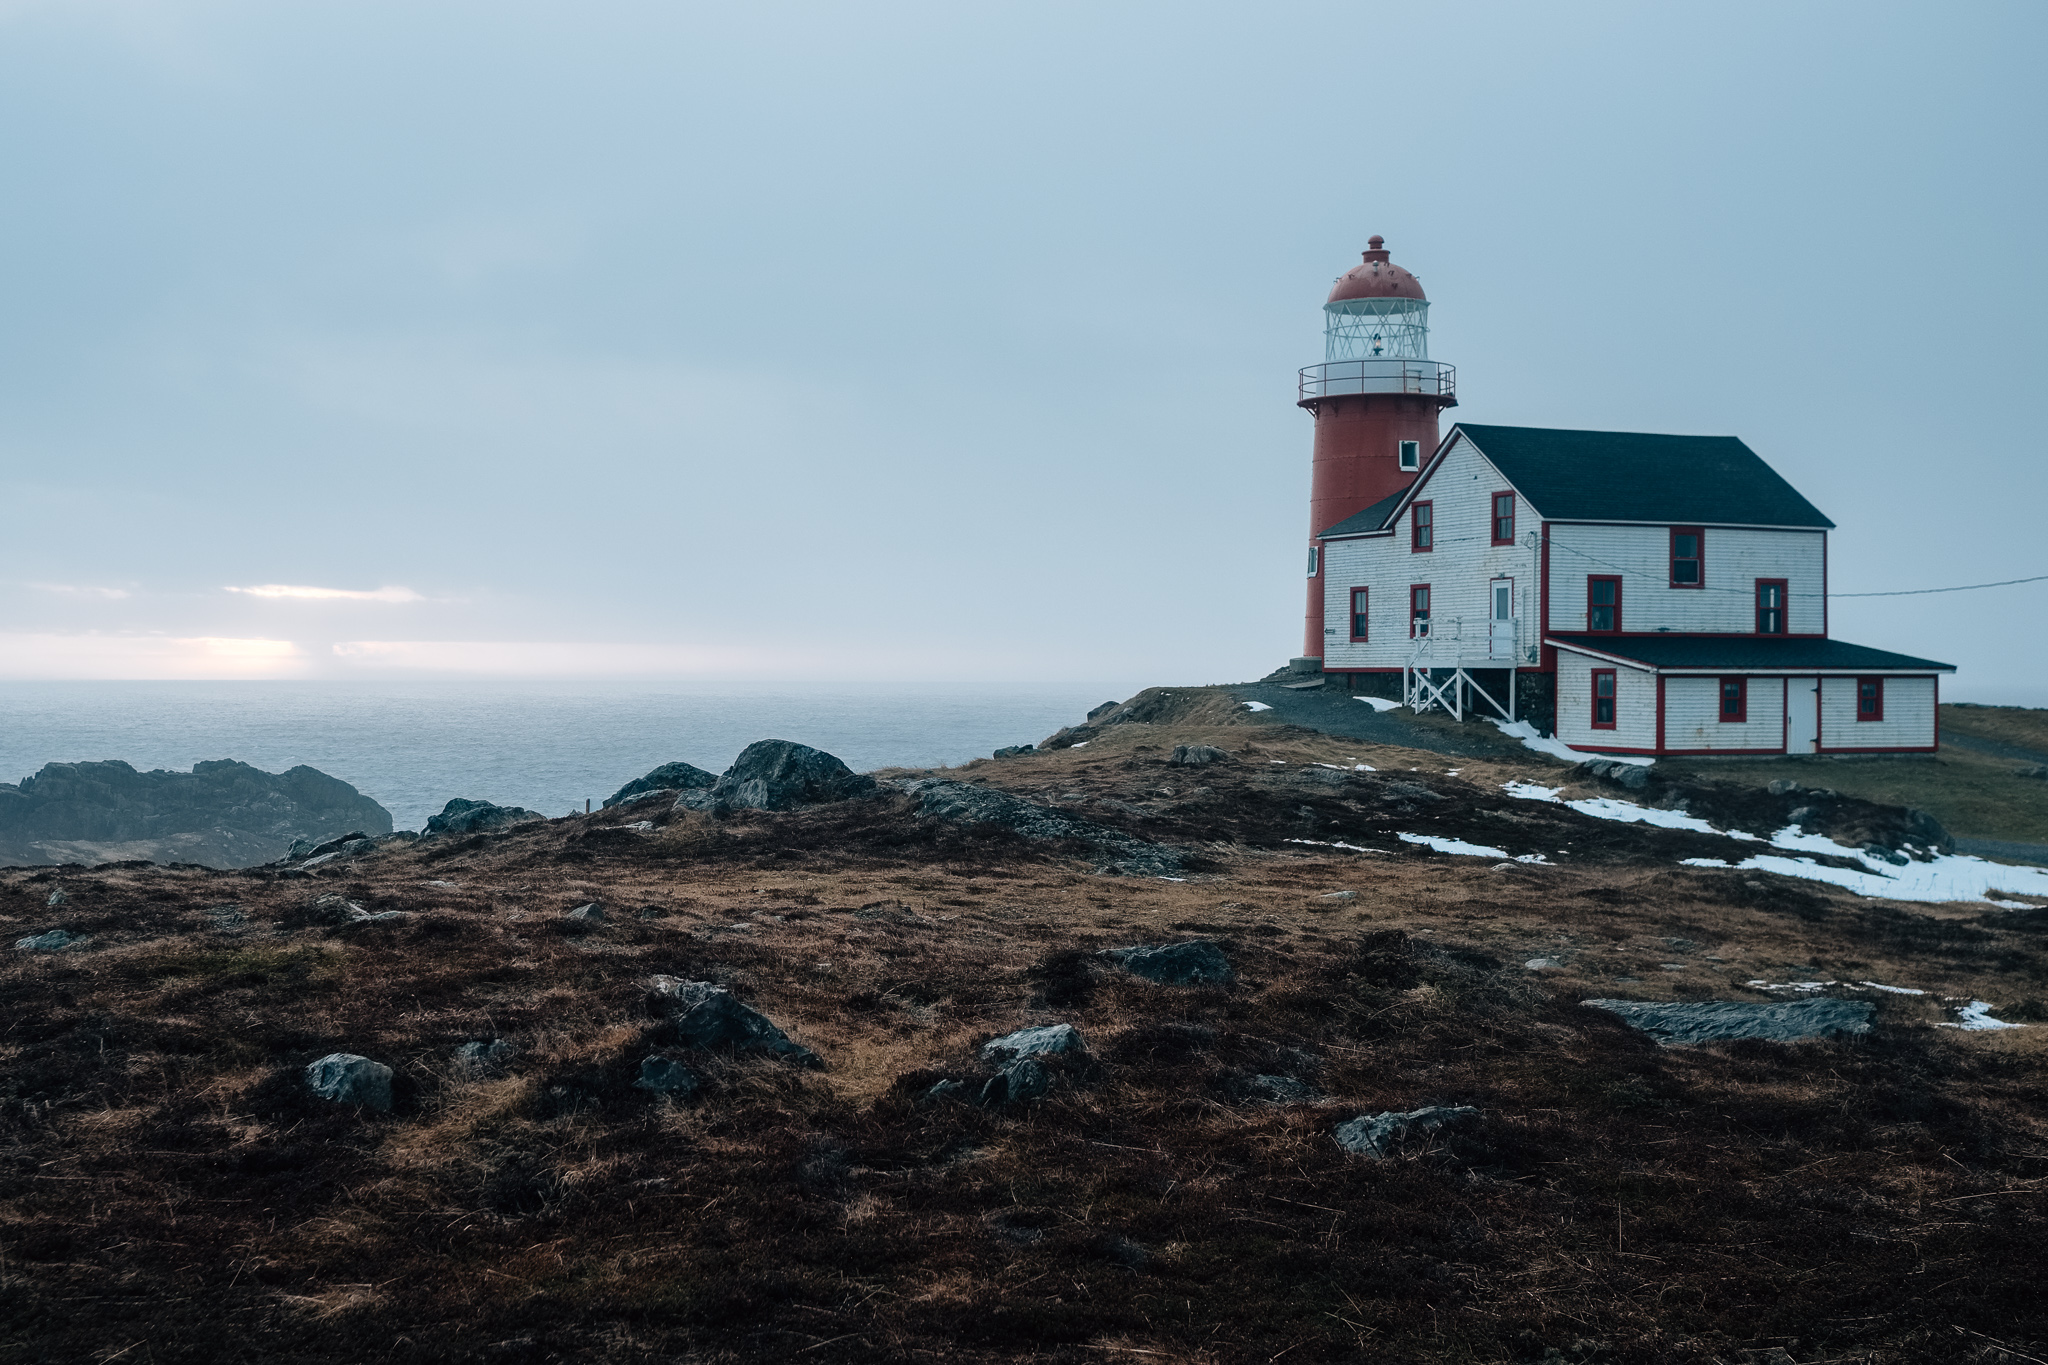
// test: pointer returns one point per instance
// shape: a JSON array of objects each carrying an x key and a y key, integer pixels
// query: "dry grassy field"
[{"x": 171, "y": 1192}]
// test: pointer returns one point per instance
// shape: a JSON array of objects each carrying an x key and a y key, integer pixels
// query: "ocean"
[{"x": 546, "y": 746}]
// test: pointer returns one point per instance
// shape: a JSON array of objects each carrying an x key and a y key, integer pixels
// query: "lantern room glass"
[{"x": 1376, "y": 329}]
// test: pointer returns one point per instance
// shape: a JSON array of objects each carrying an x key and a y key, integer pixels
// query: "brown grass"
[{"x": 169, "y": 1192}]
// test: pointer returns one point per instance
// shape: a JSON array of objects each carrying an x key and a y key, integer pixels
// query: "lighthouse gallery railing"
[{"x": 1335, "y": 378}]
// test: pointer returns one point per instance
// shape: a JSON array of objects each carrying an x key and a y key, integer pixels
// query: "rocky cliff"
[{"x": 221, "y": 814}]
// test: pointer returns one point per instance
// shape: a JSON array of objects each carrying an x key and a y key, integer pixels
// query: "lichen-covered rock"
[
  {"x": 776, "y": 774},
  {"x": 585, "y": 916},
  {"x": 665, "y": 1076},
  {"x": 1197, "y": 756},
  {"x": 1197, "y": 962},
  {"x": 668, "y": 777},
  {"x": 461, "y": 816},
  {"x": 1277, "y": 1090},
  {"x": 1049, "y": 1040},
  {"x": 968, "y": 804},
  {"x": 1023, "y": 1079},
  {"x": 44, "y": 943},
  {"x": 346, "y": 1078},
  {"x": 708, "y": 1016},
  {"x": 1786, "y": 1021},
  {"x": 1379, "y": 1135}
]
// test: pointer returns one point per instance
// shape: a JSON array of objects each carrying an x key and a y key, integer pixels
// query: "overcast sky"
[{"x": 954, "y": 341}]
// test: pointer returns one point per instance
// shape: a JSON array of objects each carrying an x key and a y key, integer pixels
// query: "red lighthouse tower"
[{"x": 1375, "y": 400}]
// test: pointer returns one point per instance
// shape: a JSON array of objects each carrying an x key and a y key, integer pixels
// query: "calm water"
[{"x": 546, "y": 746}]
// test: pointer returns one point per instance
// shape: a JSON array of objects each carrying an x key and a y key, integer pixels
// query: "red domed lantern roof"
[{"x": 1376, "y": 278}]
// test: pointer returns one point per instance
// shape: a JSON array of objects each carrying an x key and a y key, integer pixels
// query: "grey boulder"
[
  {"x": 708, "y": 1016},
  {"x": 777, "y": 774},
  {"x": 1194, "y": 963},
  {"x": 345, "y": 1078},
  {"x": 1050, "y": 1040},
  {"x": 585, "y": 915},
  {"x": 462, "y": 816},
  {"x": 1197, "y": 756},
  {"x": 668, "y": 777},
  {"x": 1023, "y": 1079},
  {"x": 1711, "y": 1021},
  {"x": 1378, "y": 1135},
  {"x": 44, "y": 943},
  {"x": 665, "y": 1076},
  {"x": 1278, "y": 1090},
  {"x": 1634, "y": 776},
  {"x": 57, "y": 898},
  {"x": 1011, "y": 751}
]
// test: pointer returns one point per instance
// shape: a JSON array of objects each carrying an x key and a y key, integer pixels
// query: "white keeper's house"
[{"x": 1654, "y": 594}]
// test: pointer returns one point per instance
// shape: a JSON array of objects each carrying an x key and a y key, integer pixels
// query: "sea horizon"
[{"x": 412, "y": 745}]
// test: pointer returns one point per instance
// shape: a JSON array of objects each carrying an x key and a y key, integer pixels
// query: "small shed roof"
[
  {"x": 1748, "y": 653},
  {"x": 1372, "y": 518}
]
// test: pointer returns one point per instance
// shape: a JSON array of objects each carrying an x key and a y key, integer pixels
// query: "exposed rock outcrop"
[
  {"x": 461, "y": 816},
  {"x": 1725, "y": 1020},
  {"x": 969, "y": 804},
  {"x": 221, "y": 814},
  {"x": 778, "y": 774},
  {"x": 346, "y": 1078},
  {"x": 677, "y": 776},
  {"x": 1380, "y": 1135},
  {"x": 707, "y": 1016},
  {"x": 1195, "y": 963}
]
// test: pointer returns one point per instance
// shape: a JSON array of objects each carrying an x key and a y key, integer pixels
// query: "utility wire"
[{"x": 1967, "y": 587}]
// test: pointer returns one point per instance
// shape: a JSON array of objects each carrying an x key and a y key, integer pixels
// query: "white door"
[
  {"x": 1802, "y": 715},
  {"x": 1500, "y": 636}
]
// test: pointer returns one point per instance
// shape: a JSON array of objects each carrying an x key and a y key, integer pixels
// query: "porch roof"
[{"x": 1746, "y": 654}]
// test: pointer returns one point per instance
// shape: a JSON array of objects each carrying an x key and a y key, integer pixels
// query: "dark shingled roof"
[
  {"x": 1371, "y": 519},
  {"x": 1789, "y": 652},
  {"x": 1631, "y": 476}
]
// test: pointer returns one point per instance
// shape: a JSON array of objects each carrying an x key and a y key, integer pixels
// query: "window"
[
  {"x": 1315, "y": 559},
  {"x": 1418, "y": 610},
  {"x": 1411, "y": 454},
  {"x": 1603, "y": 605},
  {"x": 1603, "y": 699},
  {"x": 1870, "y": 699},
  {"x": 1503, "y": 518},
  {"x": 1770, "y": 606},
  {"x": 1358, "y": 613},
  {"x": 1688, "y": 561},
  {"x": 1424, "y": 534},
  {"x": 1734, "y": 699}
]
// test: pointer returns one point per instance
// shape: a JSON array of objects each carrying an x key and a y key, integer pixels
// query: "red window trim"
[
  {"x": 1593, "y": 696},
  {"x": 1359, "y": 637},
  {"x": 1415, "y": 527},
  {"x": 1741, "y": 716},
  {"x": 1784, "y": 587},
  {"x": 1591, "y": 579},
  {"x": 1879, "y": 682},
  {"x": 1701, "y": 558},
  {"x": 1412, "y": 589},
  {"x": 1493, "y": 513}
]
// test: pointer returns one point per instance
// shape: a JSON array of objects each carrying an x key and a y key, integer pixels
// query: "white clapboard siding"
[
  {"x": 1641, "y": 555},
  {"x": 1908, "y": 715},
  {"x": 1692, "y": 716},
  {"x": 1635, "y": 705},
  {"x": 1459, "y": 571}
]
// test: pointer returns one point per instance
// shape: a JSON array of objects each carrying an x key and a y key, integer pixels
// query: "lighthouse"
[{"x": 1375, "y": 400}]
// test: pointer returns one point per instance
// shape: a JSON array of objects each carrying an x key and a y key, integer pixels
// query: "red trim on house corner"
[
  {"x": 1549, "y": 655},
  {"x": 1660, "y": 713},
  {"x": 1823, "y": 586}
]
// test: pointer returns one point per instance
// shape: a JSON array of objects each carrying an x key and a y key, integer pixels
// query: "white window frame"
[{"x": 1411, "y": 455}]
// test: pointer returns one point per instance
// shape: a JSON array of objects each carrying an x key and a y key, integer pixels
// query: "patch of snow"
[
  {"x": 1443, "y": 845},
  {"x": 1529, "y": 791},
  {"x": 2009, "y": 905},
  {"x": 1975, "y": 1017},
  {"x": 1364, "y": 768},
  {"x": 1338, "y": 766},
  {"x": 1082, "y": 745},
  {"x": 1452, "y": 772},
  {"x": 1629, "y": 813},
  {"x": 1557, "y": 748},
  {"x": 1173, "y": 879},
  {"x": 1895, "y": 990},
  {"x": 1348, "y": 848},
  {"x": 1804, "y": 987},
  {"x": 1276, "y": 760},
  {"x": 1379, "y": 703},
  {"x": 1256, "y": 706}
]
